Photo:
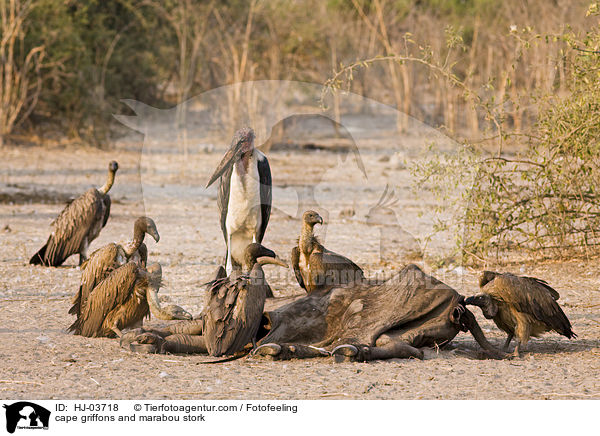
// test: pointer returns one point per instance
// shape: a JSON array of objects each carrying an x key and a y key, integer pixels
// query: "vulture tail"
[
  {"x": 75, "y": 328},
  {"x": 38, "y": 258}
]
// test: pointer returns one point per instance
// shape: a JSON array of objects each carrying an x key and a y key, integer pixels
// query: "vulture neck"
[
  {"x": 138, "y": 237},
  {"x": 307, "y": 238},
  {"x": 109, "y": 182}
]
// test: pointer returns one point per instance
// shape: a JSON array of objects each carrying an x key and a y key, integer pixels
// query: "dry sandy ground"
[{"x": 41, "y": 361}]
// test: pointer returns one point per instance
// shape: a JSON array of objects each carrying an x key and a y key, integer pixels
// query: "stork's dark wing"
[
  {"x": 71, "y": 226},
  {"x": 100, "y": 264},
  {"x": 296, "y": 265},
  {"x": 266, "y": 193},
  {"x": 223, "y": 198},
  {"x": 110, "y": 293},
  {"x": 533, "y": 297}
]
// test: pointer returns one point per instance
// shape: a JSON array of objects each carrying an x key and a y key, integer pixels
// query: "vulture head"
[
  {"x": 146, "y": 225},
  {"x": 488, "y": 306},
  {"x": 113, "y": 166},
  {"x": 257, "y": 253},
  {"x": 311, "y": 218}
]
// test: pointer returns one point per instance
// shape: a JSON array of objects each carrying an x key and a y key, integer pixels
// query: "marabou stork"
[{"x": 244, "y": 197}]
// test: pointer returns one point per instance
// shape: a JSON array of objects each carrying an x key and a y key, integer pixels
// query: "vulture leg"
[
  {"x": 83, "y": 251},
  {"x": 507, "y": 343},
  {"x": 517, "y": 351},
  {"x": 115, "y": 329}
]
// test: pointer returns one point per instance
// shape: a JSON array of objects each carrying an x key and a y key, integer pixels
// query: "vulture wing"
[
  {"x": 72, "y": 226},
  {"x": 338, "y": 268},
  {"x": 107, "y": 202},
  {"x": 220, "y": 323},
  {"x": 110, "y": 293},
  {"x": 100, "y": 264},
  {"x": 296, "y": 265}
]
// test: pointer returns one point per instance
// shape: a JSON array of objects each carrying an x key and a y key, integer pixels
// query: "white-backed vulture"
[
  {"x": 520, "y": 306},
  {"x": 77, "y": 225},
  {"x": 244, "y": 197},
  {"x": 108, "y": 258},
  {"x": 315, "y": 266},
  {"x": 235, "y": 303}
]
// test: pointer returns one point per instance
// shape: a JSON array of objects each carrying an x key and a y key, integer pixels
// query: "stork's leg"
[
  {"x": 507, "y": 343},
  {"x": 228, "y": 263}
]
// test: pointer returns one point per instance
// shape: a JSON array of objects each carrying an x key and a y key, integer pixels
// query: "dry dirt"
[{"x": 41, "y": 361}]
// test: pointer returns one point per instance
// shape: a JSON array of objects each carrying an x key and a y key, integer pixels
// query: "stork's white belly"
[{"x": 243, "y": 209}]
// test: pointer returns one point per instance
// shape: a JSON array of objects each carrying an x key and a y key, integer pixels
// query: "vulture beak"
[
  {"x": 225, "y": 162},
  {"x": 152, "y": 231},
  {"x": 320, "y": 220},
  {"x": 155, "y": 235},
  {"x": 271, "y": 260}
]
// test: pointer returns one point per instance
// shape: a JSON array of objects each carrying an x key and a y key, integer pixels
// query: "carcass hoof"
[
  {"x": 349, "y": 353},
  {"x": 147, "y": 343},
  {"x": 130, "y": 336},
  {"x": 289, "y": 351},
  {"x": 319, "y": 351},
  {"x": 270, "y": 351},
  {"x": 144, "y": 348}
]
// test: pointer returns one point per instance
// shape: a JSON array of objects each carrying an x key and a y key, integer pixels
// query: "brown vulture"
[
  {"x": 108, "y": 258},
  {"x": 315, "y": 266},
  {"x": 119, "y": 301},
  {"x": 520, "y": 306},
  {"x": 77, "y": 225},
  {"x": 235, "y": 304}
]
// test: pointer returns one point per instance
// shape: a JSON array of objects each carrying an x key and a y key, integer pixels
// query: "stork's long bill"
[{"x": 242, "y": 143}]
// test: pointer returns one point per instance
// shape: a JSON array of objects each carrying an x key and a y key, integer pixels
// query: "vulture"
[
  {"x": 520, "y": 306},
  {"x": 77, "y": 225},
  {"x": 235, "y": 303},
  {"x": 244, "y": 197},
  {"x": 315, "y": 266},
  {"x": 119, "y": 301},
  {"x": 108, "y": 258}
]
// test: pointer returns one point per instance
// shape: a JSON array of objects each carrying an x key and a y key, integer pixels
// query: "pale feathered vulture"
[
  {"x": 235, "y": 304},
  {"x": 315, "y": 266},
  {"x": 110, "y": 257},
  {"x": 244, "y": 198},
  {"x": 520, "y": 306},
  {"x": 77, "y": 225}
]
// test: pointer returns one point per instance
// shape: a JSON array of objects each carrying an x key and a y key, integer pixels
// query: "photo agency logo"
[
  {"x": 247, "y": 162},
  {"x": 24, "y": 415}
]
